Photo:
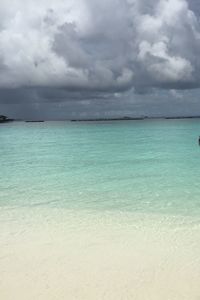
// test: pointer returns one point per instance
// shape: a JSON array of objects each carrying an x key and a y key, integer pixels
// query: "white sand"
[{"x": 62, "y": 255}]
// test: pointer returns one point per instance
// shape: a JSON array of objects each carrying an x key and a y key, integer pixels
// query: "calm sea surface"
[
  {"x": 107, "y": 210},
  {"x": 143, "y": 166}
]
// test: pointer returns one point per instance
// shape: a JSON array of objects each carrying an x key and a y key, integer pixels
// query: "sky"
[{"x": 64, "y": 59}]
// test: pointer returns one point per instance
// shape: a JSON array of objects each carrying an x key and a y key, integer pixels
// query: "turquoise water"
[
  {"x": 107, "y": 210},
  {"x": 143, "y": 166}
]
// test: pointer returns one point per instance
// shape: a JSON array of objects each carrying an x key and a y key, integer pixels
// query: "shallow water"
[
  {"x": 150, "y": 166},
  {"x": 107, "y": 210}
]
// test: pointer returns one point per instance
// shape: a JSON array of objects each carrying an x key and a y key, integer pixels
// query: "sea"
[{"x": 100, "y": 210}]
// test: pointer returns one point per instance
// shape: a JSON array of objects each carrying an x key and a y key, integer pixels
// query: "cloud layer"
[
  {"x": 91, "y": 57},
  {"x": 99, "y": 45}
]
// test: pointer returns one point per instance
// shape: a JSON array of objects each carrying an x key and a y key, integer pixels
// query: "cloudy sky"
[{"x": 64, "y": 59}]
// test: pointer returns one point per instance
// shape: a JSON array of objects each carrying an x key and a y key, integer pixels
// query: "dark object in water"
[
  {"x": 199, "y": 140},
  {"x": 107, "y": 120},
  {"x": 34, "y": 121},
  {"x": 4, "y": 119}
]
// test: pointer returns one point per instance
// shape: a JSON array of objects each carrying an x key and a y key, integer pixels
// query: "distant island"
[
  {"x": 184, "y": 117},
  {"x": 134, "y": 118},
  {"x": 4, "y": 119},
  {"x": 109, "y": 119},
  {"x": 34, "y": 121}
]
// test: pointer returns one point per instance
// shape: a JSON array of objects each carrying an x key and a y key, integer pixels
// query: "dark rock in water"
[{"x": 4, "y": 119}]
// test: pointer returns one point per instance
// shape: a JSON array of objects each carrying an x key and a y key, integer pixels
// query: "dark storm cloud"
[
  {"x": 99, "y": 44},
  {"x": 89, "y": 50}
]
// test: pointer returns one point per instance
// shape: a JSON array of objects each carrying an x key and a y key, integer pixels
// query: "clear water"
[
  {"x": 100, "y": 210},
  {"x": 144, "y": 166}
]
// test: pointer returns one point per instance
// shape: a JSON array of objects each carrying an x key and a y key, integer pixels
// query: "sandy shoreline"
[{"x": 54, "y": 254}]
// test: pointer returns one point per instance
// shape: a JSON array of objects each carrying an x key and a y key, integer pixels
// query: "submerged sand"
[{"x": 50, "y": 254}]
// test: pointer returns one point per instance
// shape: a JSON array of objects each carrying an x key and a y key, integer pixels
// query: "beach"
[{"x": 87, "y": 256}]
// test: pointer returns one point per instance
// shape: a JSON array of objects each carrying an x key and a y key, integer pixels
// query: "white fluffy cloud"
[{"x": 99, "y": 45}]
